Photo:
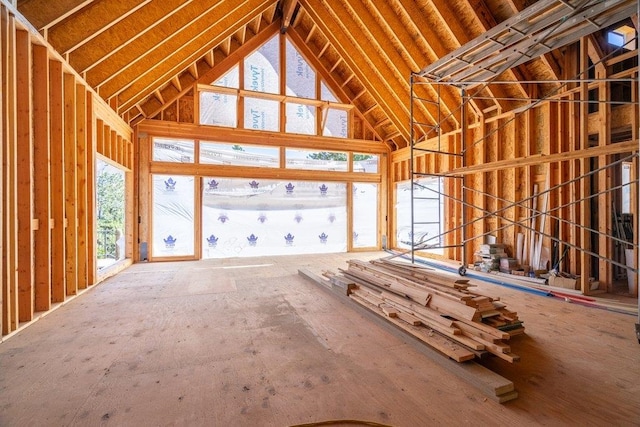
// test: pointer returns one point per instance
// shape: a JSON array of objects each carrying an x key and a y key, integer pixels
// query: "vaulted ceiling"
[{"x": 142, "y": 55}]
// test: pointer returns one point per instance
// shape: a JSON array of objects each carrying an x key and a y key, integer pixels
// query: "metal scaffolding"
[{"x": 541, "y": 28}]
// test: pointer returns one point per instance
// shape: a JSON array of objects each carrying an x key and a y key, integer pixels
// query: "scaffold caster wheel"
[{"x": 462, "y": 271}]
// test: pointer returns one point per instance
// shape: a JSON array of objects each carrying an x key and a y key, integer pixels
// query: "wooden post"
[
  {"x": 585, "y": 167},
  {"x": 70, "y": 187},
  {"x": 81, "y": 185},
  {"x": 58, "y": 278},
  {"x": 3, "y": 116},
  {"x": 9, "y": 202},
  {"x": 24, "y": 169},
  {"x": 42, "y": 188},
  {"x": 605, "y": 247},
  {"x": 91, "y": 149}
]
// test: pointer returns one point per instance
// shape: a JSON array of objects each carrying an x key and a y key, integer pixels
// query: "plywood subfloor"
[{"x": 248, "y": 342}]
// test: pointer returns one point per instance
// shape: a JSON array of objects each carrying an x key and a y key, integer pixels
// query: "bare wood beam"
[
  {"x": 42, "y": 185},
  {"x": 398, "y": 32},
  {"x": 92, "y": 252},
  {"x": 184, "y": 130},
  {"x": 534, "y": 159},
  {"x": 70, "y": 185},
  {"x": 193, "y": 27},
  {"x": 24, "y": 187},
  {"x": 8, "y": 136},
  {"x": 288, "y": 10},
  {"x": 81, "y": 186},
  {"x": 57, "y": 222}
]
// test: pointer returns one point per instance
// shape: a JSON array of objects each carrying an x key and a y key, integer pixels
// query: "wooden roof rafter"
[
  {"x": 308, "y": 54},
  {"x": 134, "y": 90},
  {"x": 460, "y": 34},
  {"x": 89, "y": 23},
  {"x": 335, "y": 29},
  {"x": 288, "y": 8},
  {"x": 398, "y": 32},
  {"x": 433, "y": 42},
  {"x": 125, "y": 34},
  {"x": 379, "y": 47},
  {"x": 45, "y": 13}
]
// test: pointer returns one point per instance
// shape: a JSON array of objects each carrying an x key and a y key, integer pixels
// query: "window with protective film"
[
  {"x": 173, "y": 226},
  {"x": 256, "y": 217}
]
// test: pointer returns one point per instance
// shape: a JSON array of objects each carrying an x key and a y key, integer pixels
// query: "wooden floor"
[{"x": 248, "y": 342}]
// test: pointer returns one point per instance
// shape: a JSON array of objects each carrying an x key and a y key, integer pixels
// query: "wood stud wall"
[
  {"x": 509, "y": 155},
  {"x": 48, "y": 133}
]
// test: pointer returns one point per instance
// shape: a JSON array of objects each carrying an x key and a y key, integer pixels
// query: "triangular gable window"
[{"x": 303, "y": 101}]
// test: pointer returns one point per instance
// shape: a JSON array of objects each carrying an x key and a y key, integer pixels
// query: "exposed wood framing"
[
  {"x": 42, "y": 179},
  {"x": 47, "y": 235}
]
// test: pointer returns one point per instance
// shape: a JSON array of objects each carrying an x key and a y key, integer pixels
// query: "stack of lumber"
[{"x": 440, "y": 310}]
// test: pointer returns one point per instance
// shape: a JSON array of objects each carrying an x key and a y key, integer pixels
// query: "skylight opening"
[{"x": 623, "y": 36}]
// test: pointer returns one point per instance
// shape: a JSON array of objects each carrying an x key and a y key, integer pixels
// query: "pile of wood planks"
[{"x": 440, "y": 310}]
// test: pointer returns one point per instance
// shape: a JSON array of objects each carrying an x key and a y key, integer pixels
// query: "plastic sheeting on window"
[
  {"x": 173, "y": 218},
  {"x": 173, "y": 150},
  {"x": 252, "y": 217},
  {"x": 366, "y": 163},
  {"x": 301, "y": 78},
  {"x": 316, "y": 160},
  {"x": 427, "y": 209},
  {"x": 336, "y": 124},
  {"x": 326, "y": 94},
  {"x": 365, "y": 215},
  {"x": 365, "y": 218},
  {"x": 230, "y": 79},
  {"x": 221, "y": 153},
  {"x": 261, "y": 114},
  {"x": 218, "y": 109},
  {"x": 301, "y": 119},
  {"x": 261, "y": 68}
]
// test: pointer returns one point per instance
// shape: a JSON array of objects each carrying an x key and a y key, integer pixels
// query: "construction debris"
[{"x": 440, "y": 310}]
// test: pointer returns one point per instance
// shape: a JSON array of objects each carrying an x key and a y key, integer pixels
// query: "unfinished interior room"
[{"x": 318, "y": 212}]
